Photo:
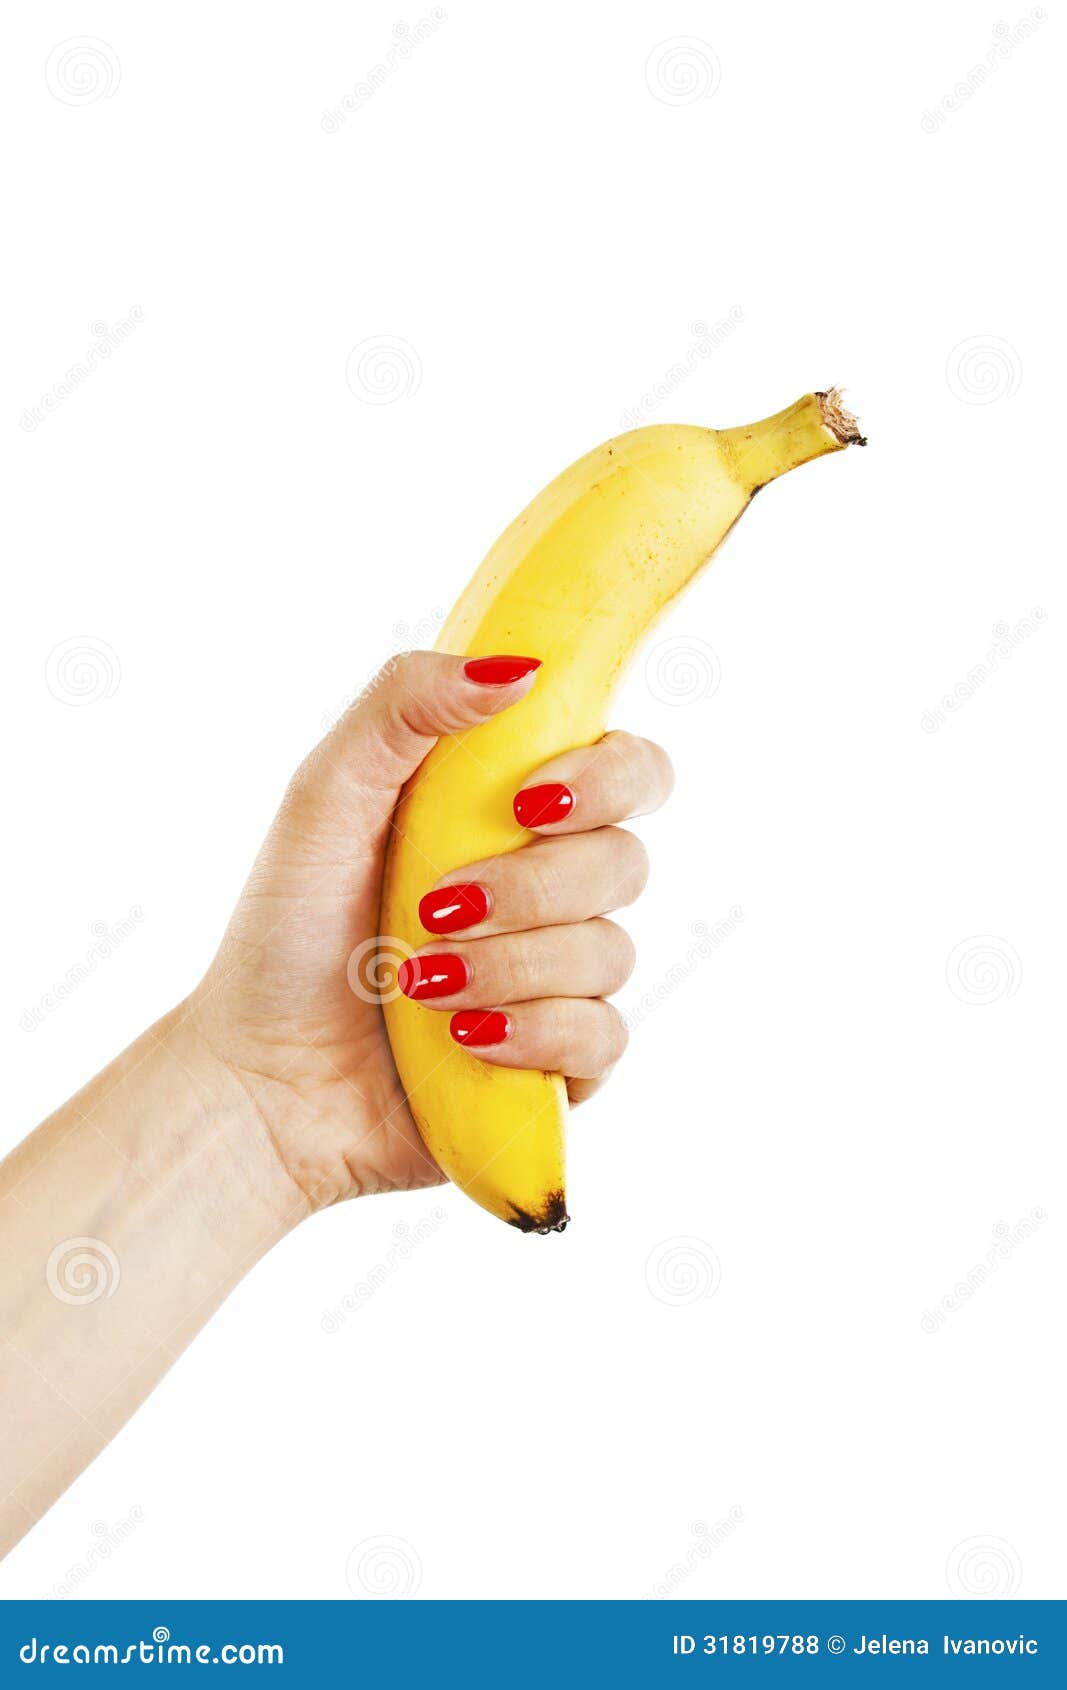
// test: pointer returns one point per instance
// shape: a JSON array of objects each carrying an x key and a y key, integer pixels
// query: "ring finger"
[{"x": 545, "y": 883}]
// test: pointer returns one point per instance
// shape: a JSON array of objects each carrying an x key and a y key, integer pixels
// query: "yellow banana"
[{"x": 577, "y": 580}]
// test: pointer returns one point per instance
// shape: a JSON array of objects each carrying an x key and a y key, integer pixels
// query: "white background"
[{"x": 838, "y": 1106}]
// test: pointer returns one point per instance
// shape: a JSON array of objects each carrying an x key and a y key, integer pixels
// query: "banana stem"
[{"x": 814, "y": 425}]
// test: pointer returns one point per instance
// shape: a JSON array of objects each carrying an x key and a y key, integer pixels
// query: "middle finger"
[{"x": 546, "y": 883}]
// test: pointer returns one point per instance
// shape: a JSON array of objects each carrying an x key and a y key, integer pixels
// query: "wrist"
[{"x": 223, "y": 1141}]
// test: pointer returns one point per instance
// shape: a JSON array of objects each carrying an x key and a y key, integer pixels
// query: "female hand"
[
  {"x": 528, "y": 937},
  {"x": 271, "y": 1090}
]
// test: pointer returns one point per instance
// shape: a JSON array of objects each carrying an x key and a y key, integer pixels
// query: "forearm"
[{"x": 125, "y": 1219}]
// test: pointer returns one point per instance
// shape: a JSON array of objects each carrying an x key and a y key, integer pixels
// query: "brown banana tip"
[
  {"x": 838, "y": 419},
  {"x": 551, "y": 1217}
]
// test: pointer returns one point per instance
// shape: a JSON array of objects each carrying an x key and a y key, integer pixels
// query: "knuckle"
[
  {"x": 612, "y": 1039},
  {"x": 539, "y": 885},
  {"x": 663, "y": 767},
  {"x": 634, "y": 865},
  {"x": 614, "y": 772},
  {"x": 403, "y": 664},
  {"x": 618, "y": 743},
  {"x": 305, "y": 782},
  {"x": 517, "y": 972},
  {"x": 621, "y": 955}
]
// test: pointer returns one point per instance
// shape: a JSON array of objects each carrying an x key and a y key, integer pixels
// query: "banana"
[{"x": 578, "y": 579}]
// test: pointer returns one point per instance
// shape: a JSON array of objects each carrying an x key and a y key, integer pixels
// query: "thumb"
[
  {"x": 418, "y": 697},
  {"x": 397, "y": 720}
]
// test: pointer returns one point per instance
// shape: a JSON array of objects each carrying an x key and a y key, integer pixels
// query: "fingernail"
[
  {"x": 464, "y": 904},
  {"x": 499, "y": 671},
  {"x": 539, "y": 806},
  {"x": 432, "y": 976},
  {"x": 480, "y": 1027}
]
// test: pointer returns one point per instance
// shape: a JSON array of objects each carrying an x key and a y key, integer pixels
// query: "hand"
[
  {"x": 271, "y": 1091},
  {"x": 528, "y": 931}
]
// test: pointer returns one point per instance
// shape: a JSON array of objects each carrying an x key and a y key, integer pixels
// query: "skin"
[{"x": 270, "y": 1092}]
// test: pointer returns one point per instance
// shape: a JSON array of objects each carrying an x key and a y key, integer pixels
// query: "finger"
[
  {"x": 353, "y": 778},
  {"x": 579, "y": 1091},
  {"x": 620, "y": 776},
  {"x": 548, "y": 883},
  {"x": 590, "y": 959},
  {"x": 579, "y": 1037}
]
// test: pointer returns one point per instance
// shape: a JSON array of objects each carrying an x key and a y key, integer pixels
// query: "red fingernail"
[
  {"x": 432, "y": 976},
  {"x": 499, "y": 671},
  {"x": 463, "y": 904},
  {"x": 538, "y": 806},
  {"x": 480, "y": 1027}
]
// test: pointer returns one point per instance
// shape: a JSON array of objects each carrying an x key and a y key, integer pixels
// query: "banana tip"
[
  {"x": 552, "y": 1216},
  {"x": 839, "y": 419}
]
